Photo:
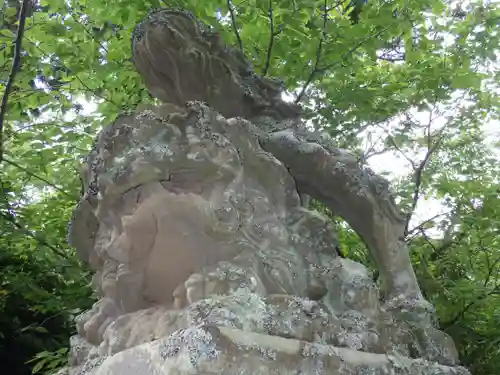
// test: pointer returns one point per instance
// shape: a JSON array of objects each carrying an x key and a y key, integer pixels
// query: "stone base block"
[{"x": 225, "y": 351}]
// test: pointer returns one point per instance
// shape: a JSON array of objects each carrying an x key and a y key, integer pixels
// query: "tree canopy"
[{"x": 418, "y": 80}]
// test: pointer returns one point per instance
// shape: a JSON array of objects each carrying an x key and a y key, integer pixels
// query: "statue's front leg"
[
  {"x": 93, "y": 323},
  {"x": 362, "y": 199},
  {"x": 224, "y": 278},
  {"x": 263, "y": 271}
]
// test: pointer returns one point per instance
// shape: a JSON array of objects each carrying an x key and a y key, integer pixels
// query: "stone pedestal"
[{"x": 219, "y": 350}]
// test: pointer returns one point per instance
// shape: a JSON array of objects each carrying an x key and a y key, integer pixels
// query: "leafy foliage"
[
  {"x": 417, "y": 80},
  {"x": 42, "y": 286}
]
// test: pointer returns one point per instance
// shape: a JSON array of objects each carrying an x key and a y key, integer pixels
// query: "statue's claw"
[{"x": 221, "y": 280}]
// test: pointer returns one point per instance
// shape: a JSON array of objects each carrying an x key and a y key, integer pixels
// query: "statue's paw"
[
  {"x": 201, "y": 286},
  {"x": 198, "y": 287},
  {"x": 412, "y": 309},
  {"x": 194, "y": 289},
  {"x": 103, "y": 313},
  {"x": 179, "y": 297},
  {"x": 219, "y": 281}
]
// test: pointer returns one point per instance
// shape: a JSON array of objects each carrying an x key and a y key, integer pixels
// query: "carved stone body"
[
  {"x": 182, "y": 60},
  {"x": 195, "y": 225},
  {"x": 205, "y": 260}
]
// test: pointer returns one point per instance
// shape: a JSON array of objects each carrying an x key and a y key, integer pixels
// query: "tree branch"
[
  {"x": 318, "y": 55},
  {"x": 491, "y": 268},
  {"x": 427, "y": 239},
  {"x": 446, "y": 245},
  {"x": 352, "y": 50},
  {"x": 335, "y": 63},
  {"x": 418, "y": 179},
  {"x": 8, "y": 161},
  {"x": 456, "y": 318},
  {"x": 41, "y": 241},
  {"x": 390, "y": 58},
  {"x": 9, "y": 216},
  {"x": 15, "y": 67},
  {"x": 93, "y": 92},
  {"x": 233, "y": 23},
  {"x": 272, "y": 34},
  {"x": 70, "y": 11},
  {"x": 85, "y": 87},
  {"x": 495, "y": 290},
  {"x": 419, "y": 226}
]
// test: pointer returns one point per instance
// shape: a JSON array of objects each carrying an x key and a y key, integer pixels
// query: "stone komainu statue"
[{"x": 207, "y": 261}]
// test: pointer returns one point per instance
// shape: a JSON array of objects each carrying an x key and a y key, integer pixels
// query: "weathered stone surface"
[
  {"x": 205, "y": 258},
  {"x": 188, "y": 221}
]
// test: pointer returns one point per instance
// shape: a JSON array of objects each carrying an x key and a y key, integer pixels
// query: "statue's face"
[
  {"x": 184, "y": 197},
  {"x": 182, "y": 60},
  {"x": 176, "y": 58}
]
